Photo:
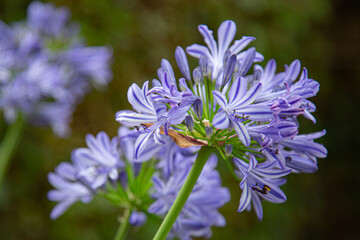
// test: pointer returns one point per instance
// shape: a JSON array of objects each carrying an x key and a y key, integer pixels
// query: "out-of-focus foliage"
[{"x": 323, "y": 34}]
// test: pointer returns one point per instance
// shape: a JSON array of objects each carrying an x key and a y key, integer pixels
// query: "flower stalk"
[
  {"x": 184, "y": 193},
  {"x": 10, "y": 141},
  {"x": 124, "y": 224}
]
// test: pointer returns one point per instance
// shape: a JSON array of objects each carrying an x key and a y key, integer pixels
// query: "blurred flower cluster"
[
  {"x": 46, "y": 68},
  {"x": 107, "y": 168}
]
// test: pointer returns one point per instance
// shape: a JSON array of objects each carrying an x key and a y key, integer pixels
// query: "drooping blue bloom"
[
  {"x": 257, "y": 183},
  {"x": 304, "y": 152},
  {"x": 200, "y": 212},
  {"x": 45, "y": 66}
]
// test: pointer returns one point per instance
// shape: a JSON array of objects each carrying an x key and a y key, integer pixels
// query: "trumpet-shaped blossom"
[
  {"x": 46, "y": 68},
  {"x": 100, "y": 161},
  {"x": 240, "y": 109},
  {"x": 216, "y": 52},
  {"x": 257, "y": 184}
]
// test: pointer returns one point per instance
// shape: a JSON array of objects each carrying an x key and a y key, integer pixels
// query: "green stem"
[
  {"x": 124, "y": 224},
  {"x": 184, "y": 193},
  {"x": 10, "y": 141}
]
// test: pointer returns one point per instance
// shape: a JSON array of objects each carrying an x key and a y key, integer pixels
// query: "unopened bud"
[
  {"x": 237, "y": 66},
  {"x": 228, "y": 149},
  {"x": 209, "y": 71},
  {"x": 257, "y": 75},
  {"x": 189, "y": 122},
  {"x": 247, "y": 62},
  {"x": 156, "y": 83},
  {"x": 226, "y": 56},
  {"x": 204, "y": 63},
  {"x": 209, "y": 130},
  {"x": 198, "y": 108},
  {"x": 229, "y": 69},
  {"x": 182, "y": 84},
  {"x": 197, "y": 76},
  {"x": 230, "y": 127},
  {"x": 182, "y": 62}
]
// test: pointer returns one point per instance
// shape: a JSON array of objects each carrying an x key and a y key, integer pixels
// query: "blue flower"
[
  {"x": 285, "y": 94},
  {"x": 304, "y": 143},
  {"x": 258, "y": 183},
  {"x": 215, "y": 52},
  {"x": 151, "y": 113},
  {"x": 100, "y": 161},
  {"x": 239, "y": 108}
]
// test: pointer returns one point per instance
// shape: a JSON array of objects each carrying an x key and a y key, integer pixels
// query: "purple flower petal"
[
  {"x": 208, "y": 38},
  {"x": 245, "y": 198},
  {"x": 221, "y": 120},
  {"x": 226, "y": 34},
  {"x": 239, "y": 45}
]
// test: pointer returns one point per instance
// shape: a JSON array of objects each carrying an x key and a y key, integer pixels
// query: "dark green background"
[{"x": 324, "y": 35}]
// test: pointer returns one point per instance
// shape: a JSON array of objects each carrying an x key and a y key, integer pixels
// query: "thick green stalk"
[
  {"x": 10, "y": 141},
  {"x": 184, "y": 193},
  {"x": 120, "y": 234}
]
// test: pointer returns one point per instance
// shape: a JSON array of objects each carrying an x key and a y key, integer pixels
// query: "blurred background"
[{"x": 323, "y": 34}]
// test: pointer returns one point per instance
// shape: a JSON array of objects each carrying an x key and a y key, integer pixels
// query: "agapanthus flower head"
[
  {"x": 46, "y": 68},
  {"x": 234, "y": 106}
]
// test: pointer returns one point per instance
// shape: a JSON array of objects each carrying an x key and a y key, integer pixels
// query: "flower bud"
[
  {"x": 189, "y": 122},
  {"x": 228, "y": 149},
  {"x": 247, "y": 61},
  {"x": 197, "y": 75},
  {"x": 182, "y": 84},
  {"x": 198, "y": 108},
  {"x": 137, "y": 218},
  {"x": 237, "y": 66},
  {"x": 204, "y": 63},
  {"x": 208, "y": 130},
  {"x": 209, "y": 71},
  {"x": 182, "y": 62},
  {"x": 226, "y": 56},
  {"x": 229, "y": 69},
  {"x": 230, "y": 127},
  {"x": 257, "y": 75},
  {"x": 156, "y": 83}
]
